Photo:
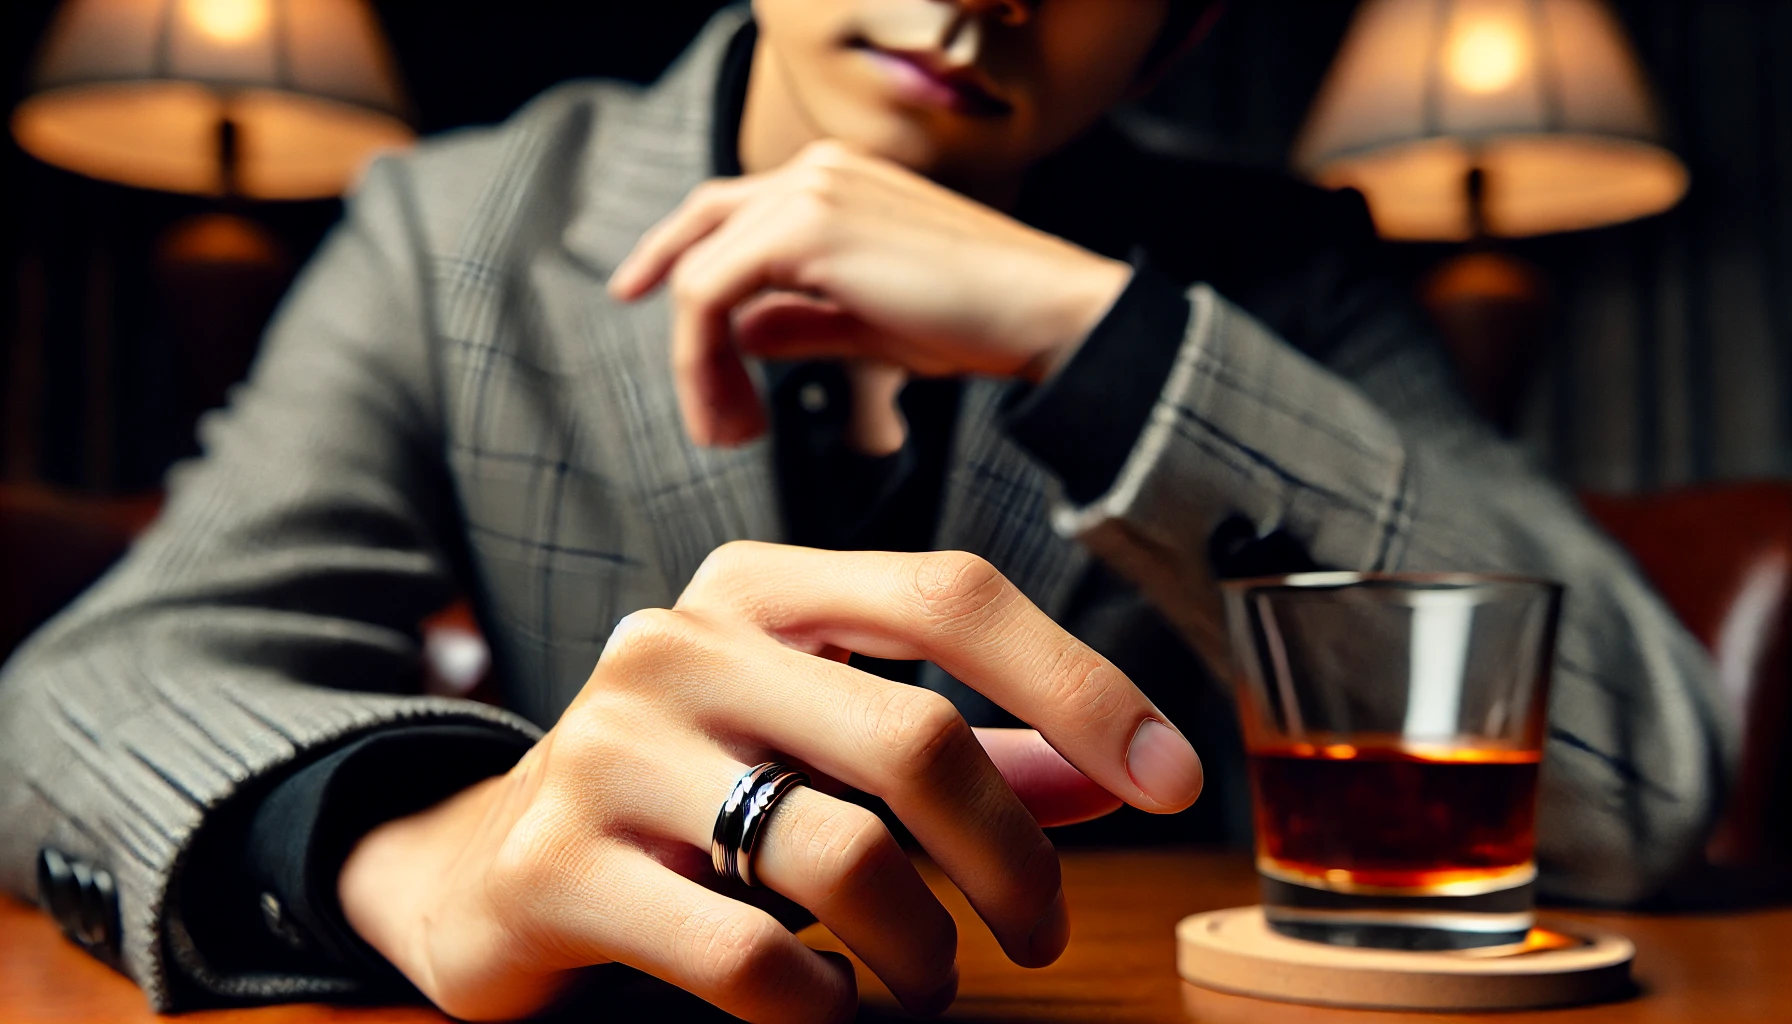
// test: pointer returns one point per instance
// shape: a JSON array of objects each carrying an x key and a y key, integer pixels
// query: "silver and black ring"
[{"x": 741, "y": 821}]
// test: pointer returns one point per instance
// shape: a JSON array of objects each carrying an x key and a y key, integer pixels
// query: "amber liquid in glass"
[{"x": 1386, "y": 817}]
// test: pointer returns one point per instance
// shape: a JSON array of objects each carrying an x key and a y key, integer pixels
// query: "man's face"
[{"x": 956, "y": 89}]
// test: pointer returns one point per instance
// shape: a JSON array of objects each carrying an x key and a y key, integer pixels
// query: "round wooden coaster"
[{"x": 1236, "y": 951}]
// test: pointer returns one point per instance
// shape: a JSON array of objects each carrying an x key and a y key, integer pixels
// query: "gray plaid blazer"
[{"x": 449, "y": 395}]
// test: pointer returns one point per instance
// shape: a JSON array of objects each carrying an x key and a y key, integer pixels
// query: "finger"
[
  {"x": 756, "y": 250},
  {"x": 958, "y": 611},
  {"x": 654, "y": 255},
  {"x": 903, "y": 743},
  {"x": 836, "y": 859},
  {"x": 841, "y": 862},
  {"x": 876, "y": 426},
  {"x": 720, "y": 949},
  {"x": 1054, "y": 792},
  {"x": 717, "y": 400},
  {"x": 792, "y": 325}
]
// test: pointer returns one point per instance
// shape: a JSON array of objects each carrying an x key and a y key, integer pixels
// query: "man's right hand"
[{"x": 594, "y": 848}]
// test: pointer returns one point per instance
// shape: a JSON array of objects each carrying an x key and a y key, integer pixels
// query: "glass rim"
[{"x": 1337, "y": 580}]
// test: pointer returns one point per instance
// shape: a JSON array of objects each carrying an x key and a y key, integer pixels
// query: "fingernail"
[
  {"x": 622, "y": 279},
  {"x": 1050, "y": 935},
  {"x": 1163, "y": 765}
]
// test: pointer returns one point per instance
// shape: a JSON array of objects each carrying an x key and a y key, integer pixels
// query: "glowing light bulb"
[
  {"x": 1486, "y": 57},
  {"x": 228, "y": 21}
]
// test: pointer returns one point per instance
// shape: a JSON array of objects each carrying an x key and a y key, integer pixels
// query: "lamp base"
[
  {"x": 1492, "y": 309},
  {"x": 219, "y": 276}
]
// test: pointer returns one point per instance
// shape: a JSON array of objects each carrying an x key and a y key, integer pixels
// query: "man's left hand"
[{"x": 841, "y": 255}]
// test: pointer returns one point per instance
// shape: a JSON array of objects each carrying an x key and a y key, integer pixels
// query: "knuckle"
[
  {"x": 1040, "y": 876},
  {"x": 917, "y": 730},
  {"x": 1082, "y": 684},
  {"x": 596, "y": 744},
  {"x": 688, "y": 285},
  {"x": 725, "y": 563},
  {"x": 818, "y": 179},
  {"x": 847, "y": 847},
  {"x": 810, "y": 207},
  {"x": 648, "y": 638},
  {"x": 810, "y": 217},
  {"x": 707, "y": 193},
  {"x": 827, "y": 153},
  {"x": 529, "y": 861},
  {"x": 956, "y": 587},
  {"x": 737, "y": 952}
]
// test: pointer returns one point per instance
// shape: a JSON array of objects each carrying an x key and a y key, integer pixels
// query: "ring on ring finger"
[{"x": 741, "y": 820}]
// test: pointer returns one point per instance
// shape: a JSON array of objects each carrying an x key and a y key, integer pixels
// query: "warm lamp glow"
[
  {"x": 1486, "y": 56},
  {"x": 228, "y": 21},
  {"x": 265, "y": 100},
  {"x": 1543, "y": 97},
  {"x": 1536, "y": 185}
]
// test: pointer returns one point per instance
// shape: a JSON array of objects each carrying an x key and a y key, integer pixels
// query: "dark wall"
[
  {"x": 1670, "y": 359},
  {"x": 1673, "y": 359}
]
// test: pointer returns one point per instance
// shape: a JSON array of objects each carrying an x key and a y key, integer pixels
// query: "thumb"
[{"x": 1048, "y": 785}]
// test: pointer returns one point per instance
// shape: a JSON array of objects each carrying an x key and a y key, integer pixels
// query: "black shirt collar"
[{"x": 731, "y": 101}]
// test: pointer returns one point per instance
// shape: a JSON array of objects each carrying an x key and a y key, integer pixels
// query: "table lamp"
[
  {"x": 263, "y": 99},
  {"x": 242, "y": 100},
  {"x": 1469, "y": 120}
]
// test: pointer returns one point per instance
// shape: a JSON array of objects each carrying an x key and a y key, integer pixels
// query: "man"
[{"x": 565, "y": 362}]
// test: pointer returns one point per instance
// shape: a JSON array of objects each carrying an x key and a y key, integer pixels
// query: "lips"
[{"x": 919, "y": 76}]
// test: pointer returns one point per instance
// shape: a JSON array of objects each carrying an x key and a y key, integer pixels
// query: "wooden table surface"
[{"x": 1715, "y": 969}]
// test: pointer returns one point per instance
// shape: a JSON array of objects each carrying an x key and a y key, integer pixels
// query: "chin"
[
  {"x": 938, "y": 146},
  {"x": 901, "y": 143}
]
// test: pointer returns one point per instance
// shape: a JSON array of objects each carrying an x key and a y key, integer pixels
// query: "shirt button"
[
  {"x": 273, "y": 914},
  {"x": 813, "y": 397}
]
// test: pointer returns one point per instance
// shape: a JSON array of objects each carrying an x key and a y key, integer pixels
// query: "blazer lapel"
[
  {"x": 998, "y": 505},
  {"x": 643, "y": 159}
]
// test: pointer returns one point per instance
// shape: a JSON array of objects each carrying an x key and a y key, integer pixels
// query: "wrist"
[
  {"x": 1074, "y": 308},
  {"x": 395, "y": 871}
]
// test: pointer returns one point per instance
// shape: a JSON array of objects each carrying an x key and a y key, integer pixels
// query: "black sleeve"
[
  {"x": 1085, "y": 419},
  {"x": 260, "y": 895}
]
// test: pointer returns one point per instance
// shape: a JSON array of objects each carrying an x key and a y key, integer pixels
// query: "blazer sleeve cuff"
[
  {"x": 181, "y": 971},
  {"x": 301, "y": 834},
  {"x": 1246, "y": 431},
  {"x": 1087, "y": 417}
]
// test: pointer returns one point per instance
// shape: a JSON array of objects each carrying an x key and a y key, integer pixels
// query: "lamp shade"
[
  {"x": 271, "y": 99},
  {"x": 1544, "y": 98}
]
